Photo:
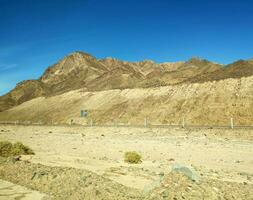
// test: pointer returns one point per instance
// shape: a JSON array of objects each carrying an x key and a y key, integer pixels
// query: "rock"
[
  {"x": 17, "y": 158},
  {"x": 26, "y": 157},
  {"x": 13, "y": 159},
  {"x": 215, "y": 189},
  {"x": 161, "y": 174},
  {"x": 155, "y": 184},
  {"x": 39, "y": 174},
  {"x": 187, "y": 171}
]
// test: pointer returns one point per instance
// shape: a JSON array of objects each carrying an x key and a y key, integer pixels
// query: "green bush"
[
  {"x": 8, "y": 149},
  {"x": 132, "y": 157}
]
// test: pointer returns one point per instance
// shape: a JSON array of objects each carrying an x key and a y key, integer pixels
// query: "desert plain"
[{"x": 221, "y": 160}]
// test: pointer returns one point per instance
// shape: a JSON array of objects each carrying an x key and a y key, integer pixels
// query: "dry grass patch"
[
  {"x": 132, "y": 157},
  {"x": 8, "y": 149}
]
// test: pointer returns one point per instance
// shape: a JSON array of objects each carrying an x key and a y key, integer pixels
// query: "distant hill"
[{"x": 80, "y": 70}]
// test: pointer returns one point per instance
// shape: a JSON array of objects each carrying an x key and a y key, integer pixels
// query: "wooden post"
[
  {"x": 91, "y": 123},
  {"x": 232, "y": 123}
]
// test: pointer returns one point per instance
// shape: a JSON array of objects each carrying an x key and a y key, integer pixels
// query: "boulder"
[{"x": 187, "y": 171}]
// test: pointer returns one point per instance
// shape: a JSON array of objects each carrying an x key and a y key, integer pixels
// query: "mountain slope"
[
  {"x": 24, "y": 91},
  {"x": 241, "y": 68},
  {"x": 209, "y": 103}
]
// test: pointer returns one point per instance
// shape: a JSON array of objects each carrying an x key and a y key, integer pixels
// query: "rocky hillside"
[
  {"x": 82, "y": 71},
  {"x": 209, "y": 103},
  {"x": 24, "y": 91},
  {"x": 238, "y": 69}
]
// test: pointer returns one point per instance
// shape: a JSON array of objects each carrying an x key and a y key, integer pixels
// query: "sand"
[
  {"x": 217, "y": 155},
  {"x": 10, "y": 191}
]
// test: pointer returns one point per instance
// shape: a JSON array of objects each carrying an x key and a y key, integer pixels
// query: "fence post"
[
  {"x": 183, "y": 123},
  {"x": 145, "y": 122},
  {"x": 115, "y": 123},
  {"x": 232, "y": 123},
  {"x": 91, "y": 123}
]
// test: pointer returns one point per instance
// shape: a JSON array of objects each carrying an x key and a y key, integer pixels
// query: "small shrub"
[
  {"x": 21, "y": 149},
  {"x": 8, "y": 149},
  {"x": 132, "y": 157},
  {"x": 5, "y": 148}
]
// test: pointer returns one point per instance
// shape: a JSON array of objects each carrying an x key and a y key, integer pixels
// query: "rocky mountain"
[{"x": 83, "y": 71}]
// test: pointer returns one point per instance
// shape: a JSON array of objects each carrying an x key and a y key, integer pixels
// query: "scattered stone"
[
  {"x": 161, "y": 174},
  {"x": 188, "y": 189},
  {"x": 17, "y": 158},
  {"x": 13, "y": 159},
  {"x": 187, "y": 171},
  {"x": 38, "y": 174},
  {"x": 215, "y": 189}
]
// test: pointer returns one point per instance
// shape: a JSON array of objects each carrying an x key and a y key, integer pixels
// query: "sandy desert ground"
[{"x": 221, "y": 157}]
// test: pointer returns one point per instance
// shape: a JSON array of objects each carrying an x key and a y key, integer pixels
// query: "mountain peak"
[
  {"x": 80, "y": 54},
  {"x": 148, "y": 61},
  {"x": 197, "y": 60}
]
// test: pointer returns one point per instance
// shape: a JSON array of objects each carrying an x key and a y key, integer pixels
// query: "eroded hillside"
[{"x": 209, "y": 103}]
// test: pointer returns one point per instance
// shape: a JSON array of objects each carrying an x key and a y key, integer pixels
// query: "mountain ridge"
[{"x": 80, "y": 70}]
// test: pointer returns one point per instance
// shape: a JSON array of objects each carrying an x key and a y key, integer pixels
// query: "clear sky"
[{"x": 36, "y": 33}]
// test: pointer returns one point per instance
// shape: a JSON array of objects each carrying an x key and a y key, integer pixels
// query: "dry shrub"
[
  {"x": 132, "y": 157},
  {"x": 8, "y": 149}
]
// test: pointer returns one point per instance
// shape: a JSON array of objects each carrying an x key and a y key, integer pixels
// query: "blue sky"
[{"x": 36, "y": 33}]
